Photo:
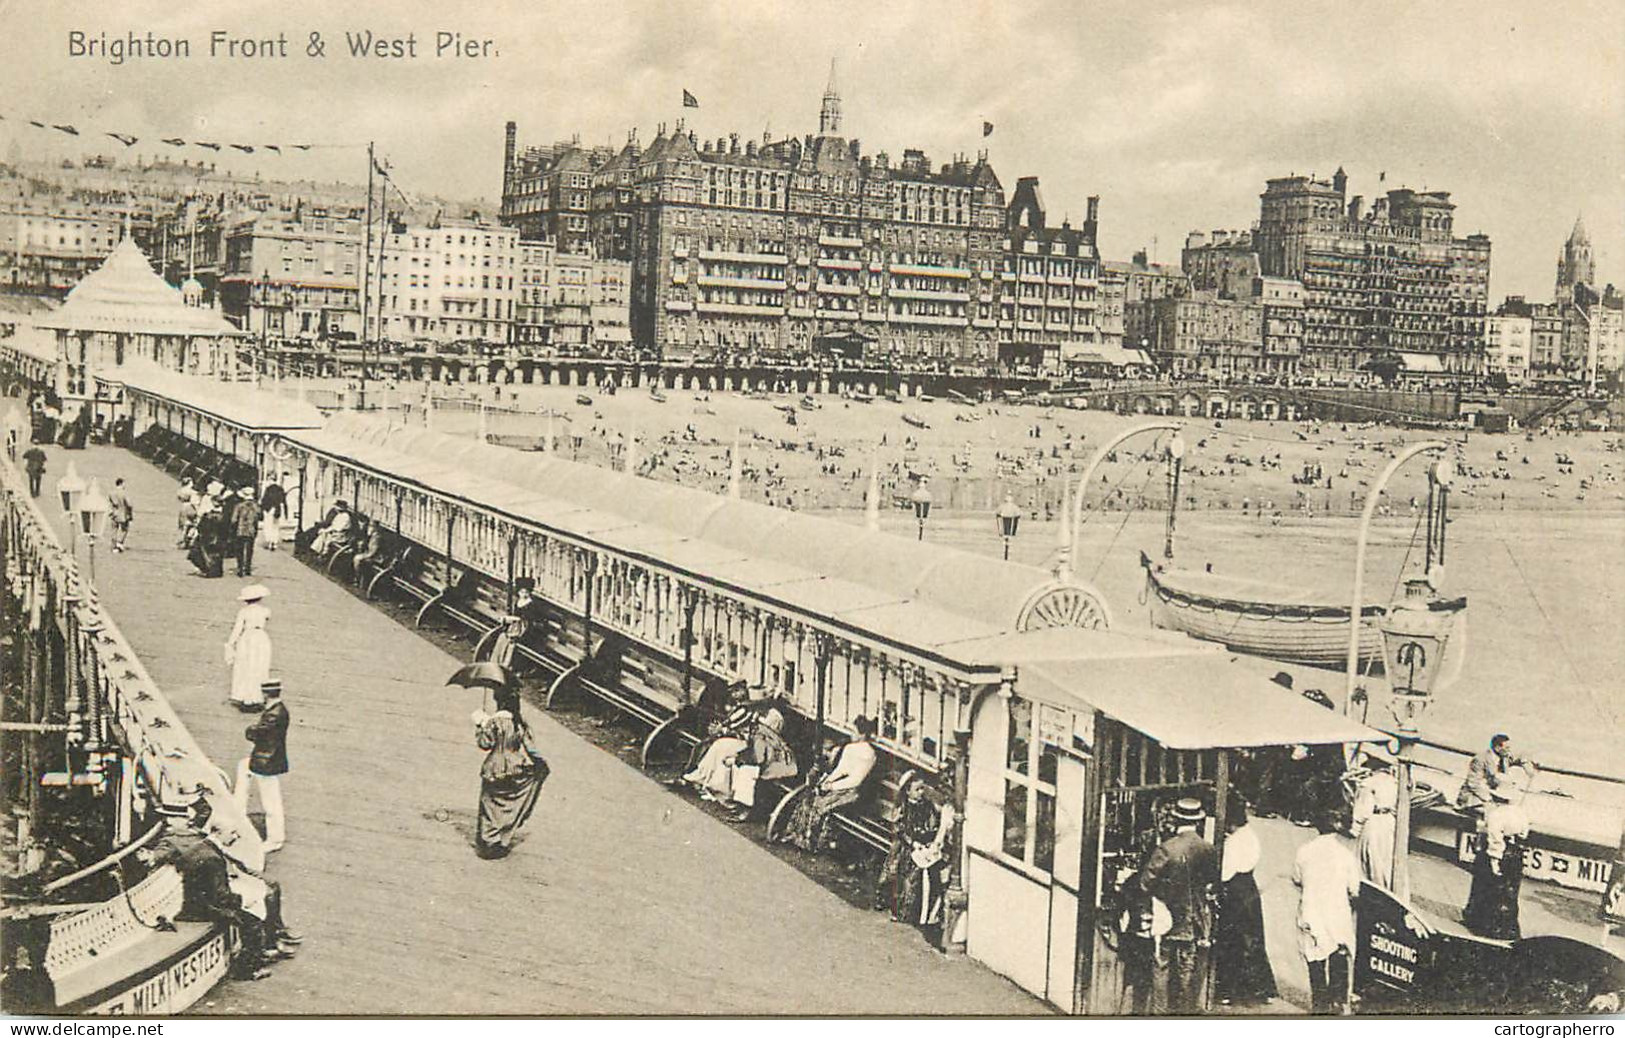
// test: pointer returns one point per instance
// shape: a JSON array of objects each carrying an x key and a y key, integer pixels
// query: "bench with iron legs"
[
  {"x": 557, "y": 652},
  {"x": 870, "y": 820}
]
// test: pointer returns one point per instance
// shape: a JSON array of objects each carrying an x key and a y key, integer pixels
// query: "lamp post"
[
  {"x": 1356, "y": 606},
  {"x": 69, "y": 487},
  {"x": 1176, "y": 457},
  {"x": 17, "y": 428},
  {"x": 93, "y": 509},
  {"x": 921, "y": 499},
  {"x": 1009, "y": 515},
  {"x": 1414, "y": 637},
  {"x": 1073, "y": 549}
]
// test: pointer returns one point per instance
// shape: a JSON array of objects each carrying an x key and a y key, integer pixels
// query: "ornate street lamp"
[
  {"x": 70, "y": 486},
  {"x": 1414, "y": 637},
  {"x": 93, "y": 510},
  {"x": 1009, "y": 515},
  {"x": 17, "y": 428},
  {"x": 921, "y": 499}
]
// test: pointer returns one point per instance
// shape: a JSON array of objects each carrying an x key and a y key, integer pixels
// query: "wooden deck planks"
[{"x": 621, "y": 898}]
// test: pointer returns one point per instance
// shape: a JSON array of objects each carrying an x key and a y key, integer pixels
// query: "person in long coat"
[
  {"x": 248, "y": 650},
  {"x": 1180, "y": 873},
  {"x": 510, "y": 778},
  {"x": 1328, "y": 879},
  {"x": 273, "y": 503},
  {"x": 1242, "y": 974},
  {"x": 1375, "y": 803},
  {"x": 208, "y": 545}
]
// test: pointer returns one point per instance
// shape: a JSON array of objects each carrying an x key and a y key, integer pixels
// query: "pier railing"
[{"x": 85, "y": 684}]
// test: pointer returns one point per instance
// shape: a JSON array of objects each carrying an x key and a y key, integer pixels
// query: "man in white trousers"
[{"x": 267, "y": 764}]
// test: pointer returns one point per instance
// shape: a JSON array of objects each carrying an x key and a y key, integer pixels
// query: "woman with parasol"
[{"x": 512, "y": 775}]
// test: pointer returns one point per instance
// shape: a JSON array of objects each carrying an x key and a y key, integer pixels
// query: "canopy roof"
[
  {"x": 235, "y": 403},
  {"x": 124, "y": 296},
  {"x": 918, "y": 595},
  {"x": 1421, "y": 362},
  {"x": 1105, "y": 353},
  {"x": 1192, "y": 701}
]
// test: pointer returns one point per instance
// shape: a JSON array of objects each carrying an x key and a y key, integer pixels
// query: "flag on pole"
[
  {"x": 247, "y": 149},
  {"x": 174, "y": 142},
  {"x": 65, "y": 128},
  {"x": 690, "y": 101},
  {"x": 207, "y": 144},
  {"x": 1382, "y": 176},
  {"x": 273, "y": 147},
  {"x": 300, "y": 147},
  {"x": 36, "y": 122},
  {"x": 124, "y": 138},
  {"x": 987, "y": 128}
]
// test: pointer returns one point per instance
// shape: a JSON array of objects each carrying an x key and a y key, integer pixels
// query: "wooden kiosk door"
[{"x": 1071, "y": 796}]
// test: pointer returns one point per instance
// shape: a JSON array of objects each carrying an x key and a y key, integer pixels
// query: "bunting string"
[{"x": 130, "y": 140}]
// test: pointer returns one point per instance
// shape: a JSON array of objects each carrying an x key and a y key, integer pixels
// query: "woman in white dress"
[{"x": 248, "y": 650}]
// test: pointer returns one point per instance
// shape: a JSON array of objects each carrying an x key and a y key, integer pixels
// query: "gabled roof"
[{"x": 125, "y": 296}]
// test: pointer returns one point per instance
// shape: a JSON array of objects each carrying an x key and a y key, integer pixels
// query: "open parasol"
[{"x": 483, "y": 674}]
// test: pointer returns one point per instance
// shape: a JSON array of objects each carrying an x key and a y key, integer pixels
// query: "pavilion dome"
[{"x": 125, "y": 296}]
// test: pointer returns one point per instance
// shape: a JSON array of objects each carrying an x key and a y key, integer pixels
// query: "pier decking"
[{"x": 620, "y": 898}]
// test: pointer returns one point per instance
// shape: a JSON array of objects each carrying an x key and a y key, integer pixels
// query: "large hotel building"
[
  {"x": 1393, "y": 278},
  {"x": 785, "y": 247}
]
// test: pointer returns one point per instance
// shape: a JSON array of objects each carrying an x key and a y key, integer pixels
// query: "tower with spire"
[
  {"x": 829, "y": 117},
  {"x": 1575, "y": 266}
]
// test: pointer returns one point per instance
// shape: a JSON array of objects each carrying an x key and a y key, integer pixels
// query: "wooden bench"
[{"x": 871, "y": 820}]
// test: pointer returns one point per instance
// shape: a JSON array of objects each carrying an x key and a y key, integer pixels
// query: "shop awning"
[
  {"x": 1422, "y": 362},
  {"x": 1191, "y": 702}
]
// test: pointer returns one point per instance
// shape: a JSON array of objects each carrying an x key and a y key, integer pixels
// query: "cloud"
[{"x": 1175, "y": 114}]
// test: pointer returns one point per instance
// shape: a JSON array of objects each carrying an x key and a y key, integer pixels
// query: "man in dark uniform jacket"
[
  {"x": 1181, "y": 873},
  {"x": 267, "y": 764}
]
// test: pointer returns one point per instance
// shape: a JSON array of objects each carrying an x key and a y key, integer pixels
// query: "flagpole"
[{"x": 366, "y": 279}]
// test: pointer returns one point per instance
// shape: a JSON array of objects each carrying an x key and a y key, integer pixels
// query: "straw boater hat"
[
  {"x": 1187, "y": 809},
  {"x": 215, "y": 488},
  {"x": 253, "y": 592},
  {"x": 271, "y": 689},
  {"x": 247, "y": 493}
]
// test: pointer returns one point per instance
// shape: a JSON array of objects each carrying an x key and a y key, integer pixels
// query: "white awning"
[
  {"x": 1422, "y": 362},
  {"x": 1192, "y": 702}
]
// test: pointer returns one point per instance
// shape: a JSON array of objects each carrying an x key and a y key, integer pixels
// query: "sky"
[{"x": 1174, "y": 113}]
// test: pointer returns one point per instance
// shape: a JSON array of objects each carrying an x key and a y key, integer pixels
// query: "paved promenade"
[{"x": 621, "y": 898}]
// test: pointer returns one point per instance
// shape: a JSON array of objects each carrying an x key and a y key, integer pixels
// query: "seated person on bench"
[
  {"x": 373, "y": 549},
  {"x": 217, "y": 887},
  {"x": 840, "y": 785},
  {"x": 334, "y": 532},
  {"x": 747, "y": 747}
]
